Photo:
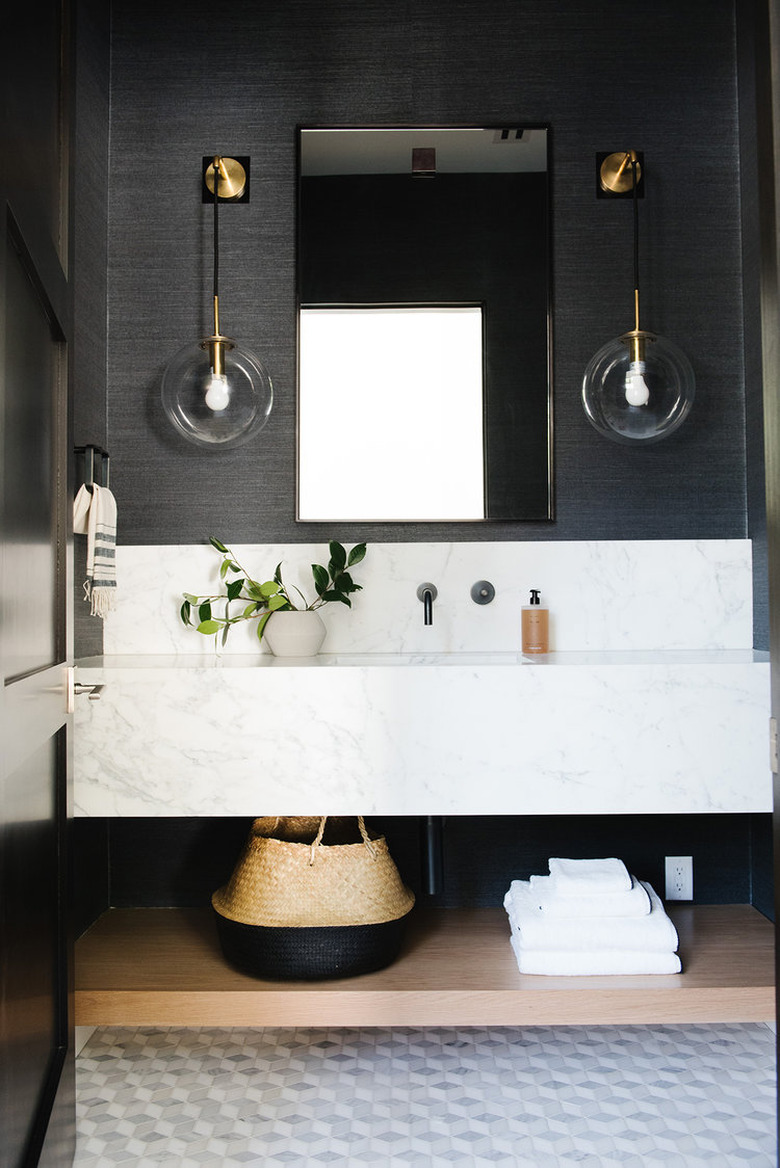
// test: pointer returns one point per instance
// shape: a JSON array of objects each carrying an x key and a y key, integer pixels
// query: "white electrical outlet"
[{"x": 679, "y": 877}]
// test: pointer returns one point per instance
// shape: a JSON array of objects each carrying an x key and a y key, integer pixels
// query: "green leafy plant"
[{"x": 246, "y": 599}]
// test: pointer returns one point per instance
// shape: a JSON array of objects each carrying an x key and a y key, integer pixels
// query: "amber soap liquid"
[{"x": 535, "y": 630}]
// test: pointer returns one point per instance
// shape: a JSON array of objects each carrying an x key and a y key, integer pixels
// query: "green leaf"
[
  {"x": 223, "y": 569},
  {"x": 219, "y": 546},
  {"x": 204, "y": 612},
  {"x": 304, "y": 601},
  {"x": 269, "y": 588},
  {"x": 277, "y": 603},
  {"x": 225, "y": 632},
  {"x": 344, "y": 582},
  {"x": 278, "y": 574},
  {"x": 184, "y": 612},
  {"x": 209, "y": 626},
  {"x": 356, "y": 555},
  {"x": 338, "y": 557},
  {"x": 338, "y": 596},
  {"x": 190, "y": 598},
  {"x": 261, "y": 625},
  {"x": 234, "y": 589},
  {"x": 321, "y": 578},
  {"x": 250, "y": 610}
]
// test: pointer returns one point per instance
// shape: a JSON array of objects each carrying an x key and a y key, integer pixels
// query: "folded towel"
[
  {"x": 94, "y": 513},
  {"x": 634, "y": 903},
  {"x": 653, "y": 933},
  {"x": 584, "y": 963},
  {"x": 586, "y": 877}
]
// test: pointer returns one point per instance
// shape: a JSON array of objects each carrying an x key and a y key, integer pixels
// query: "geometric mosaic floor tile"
[{"x": 692, "y": 1096}]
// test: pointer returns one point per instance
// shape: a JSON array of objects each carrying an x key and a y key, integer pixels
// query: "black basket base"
[{"x": 309, "y": 954}]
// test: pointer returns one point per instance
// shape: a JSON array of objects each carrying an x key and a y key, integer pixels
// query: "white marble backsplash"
[{"x": 613, "y": 596}]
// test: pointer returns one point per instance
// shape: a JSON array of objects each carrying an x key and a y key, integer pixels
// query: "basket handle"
[{"x": 321, "y": 831}]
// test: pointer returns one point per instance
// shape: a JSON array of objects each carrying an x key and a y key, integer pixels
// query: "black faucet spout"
[
  {"x": 427, "y": 607},
  {"x": 427, "y": 593}
]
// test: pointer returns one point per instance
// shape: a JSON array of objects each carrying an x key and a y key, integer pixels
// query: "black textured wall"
[
  {"x": 750, "y": 167},
  {"x": 163, "y": 862},
  {"x": 89, "y": 353},
  {"x": 189, "y": 78}
]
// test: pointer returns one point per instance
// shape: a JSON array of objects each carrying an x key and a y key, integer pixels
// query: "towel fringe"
[{"x": 102, "y": 600}]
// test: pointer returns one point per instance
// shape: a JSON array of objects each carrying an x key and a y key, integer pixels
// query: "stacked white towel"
[{"x": 590, "y": 917}]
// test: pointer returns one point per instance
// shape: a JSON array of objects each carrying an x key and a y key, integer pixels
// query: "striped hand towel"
[{"x": 94, "y": 513}]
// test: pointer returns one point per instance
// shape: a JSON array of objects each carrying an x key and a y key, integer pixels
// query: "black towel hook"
[{"x": 90, "y": 453}]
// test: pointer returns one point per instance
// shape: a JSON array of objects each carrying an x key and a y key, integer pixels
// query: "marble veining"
[
  {"x": 657, "y": 595},
  {"x": 465, "y": 738},
  {"x": 652, "y": 700}
]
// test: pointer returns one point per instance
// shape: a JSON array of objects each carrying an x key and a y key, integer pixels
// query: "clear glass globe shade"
[
  {"x": 216, "y": 415},
  {"x": 610, "y": 384}
]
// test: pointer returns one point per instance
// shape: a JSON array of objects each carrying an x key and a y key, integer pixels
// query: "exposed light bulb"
[
  {"x": 217, "y": 392},
  {"x": 637, "y": 392}
]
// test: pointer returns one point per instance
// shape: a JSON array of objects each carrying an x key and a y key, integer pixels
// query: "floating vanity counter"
[{"x": 460, "y": 734}]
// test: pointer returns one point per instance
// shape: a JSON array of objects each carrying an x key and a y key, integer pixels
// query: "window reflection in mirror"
[
  {"x": 412, "y": 440},
  {"x": 460, "y": 248}
]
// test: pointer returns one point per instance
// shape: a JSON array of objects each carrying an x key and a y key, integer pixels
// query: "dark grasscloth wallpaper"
[{"x": 189, "y": 78}]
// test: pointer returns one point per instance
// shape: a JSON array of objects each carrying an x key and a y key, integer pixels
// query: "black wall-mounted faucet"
[{"x": 427, "y": 593}]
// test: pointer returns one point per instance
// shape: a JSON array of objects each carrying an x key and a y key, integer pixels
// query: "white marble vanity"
[
  {"x": 653, "y": 702},
  {"x": 464, "y": 734}
]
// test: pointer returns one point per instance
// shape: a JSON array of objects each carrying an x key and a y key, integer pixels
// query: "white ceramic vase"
[{"x": 294, "y": 634}]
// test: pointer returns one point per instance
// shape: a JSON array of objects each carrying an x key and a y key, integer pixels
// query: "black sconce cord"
[
  {"x": 216, "y": 228},
  {"x": 634, "y": 164}
]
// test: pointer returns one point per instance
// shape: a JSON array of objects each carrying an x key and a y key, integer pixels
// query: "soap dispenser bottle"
[{"x": 536, "y": 626}]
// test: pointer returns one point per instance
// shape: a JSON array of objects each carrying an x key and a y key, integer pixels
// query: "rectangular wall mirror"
[{"x": 424, "y": 386}]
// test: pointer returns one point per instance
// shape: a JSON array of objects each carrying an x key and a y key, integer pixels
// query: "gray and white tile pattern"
[{"x": 543, "y": 1097}]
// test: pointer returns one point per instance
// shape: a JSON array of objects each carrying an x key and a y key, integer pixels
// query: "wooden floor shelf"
[{"x": 163, "y": 967}]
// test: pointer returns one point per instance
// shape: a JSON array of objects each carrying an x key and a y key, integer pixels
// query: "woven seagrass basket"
[{"x": 312, "y": 897}]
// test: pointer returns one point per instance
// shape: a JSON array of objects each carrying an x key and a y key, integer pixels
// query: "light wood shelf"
[{"x": 164, "y": 967}]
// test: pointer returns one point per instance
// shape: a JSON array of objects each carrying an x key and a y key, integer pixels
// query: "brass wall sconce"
[
  {"x": 640, "y": 386},
  {"x": 216, "y": 392}
]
